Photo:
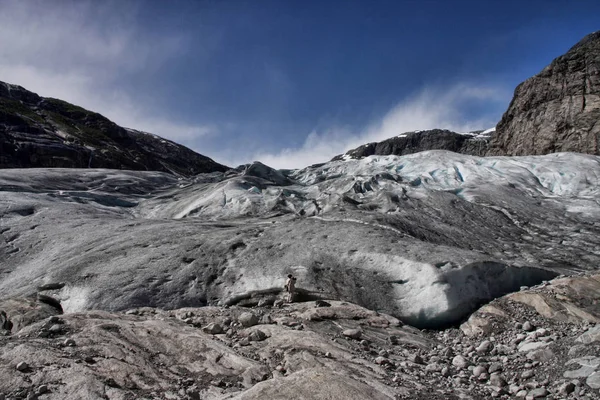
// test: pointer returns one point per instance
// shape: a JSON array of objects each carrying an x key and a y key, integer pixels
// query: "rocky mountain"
[
  {"x": 44, "y": 132},
  {"x": 472, "y": 143},
  {"x": 558, "y": 109}
]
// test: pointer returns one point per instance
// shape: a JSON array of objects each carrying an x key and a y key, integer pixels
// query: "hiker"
[{"x": 290, "y": 287}]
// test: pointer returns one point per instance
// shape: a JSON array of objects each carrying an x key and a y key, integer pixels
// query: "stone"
[
  {"x": 590, "y": 336},
  {"x": 415, "y": 358},
  {"x": 266, "y": 319},
  {"x": 352, "y": 333},
  {"x": 527, "y": 374},
  {"x": 484, "y": 347},
  {"x": 42, "y": 389},
  {"x": 593, "y": 380},
  {"x": 381, "y": 360},
  {"x": 497, "y": 380},
  {"x": 587, "y": 366},
  {"x": 537, "y": 393},
  {"x": 248, "y": 319},
  {"x": 528, "y": 326},
  {"x": 322, "y": 303},
  {"x": 213, "y": 328},
  {"x": 495, "y": 367},
  {"x": 257, "y": 336},
  {"x": 529, "y": 346},
  {"x": 278, "y": 303},
  {"x": 478, "y": 370},
  {"x": 543, "y": 355},
  {"x": 566, "y": 388},
  {"x": 460, "y": 362},
  {"x": 69, "y": 342},
  {"x": 22, "y": 366}
]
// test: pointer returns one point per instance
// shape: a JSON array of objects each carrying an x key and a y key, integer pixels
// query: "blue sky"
[{"x": 289, "y": 83}]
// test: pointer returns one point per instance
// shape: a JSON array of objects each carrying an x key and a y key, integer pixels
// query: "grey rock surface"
[{"x": 556, "y": 110}]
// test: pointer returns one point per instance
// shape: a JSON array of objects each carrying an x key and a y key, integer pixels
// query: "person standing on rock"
[{"x": 290, "y": 287}]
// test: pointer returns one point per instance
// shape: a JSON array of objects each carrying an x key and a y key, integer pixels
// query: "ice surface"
[{"x": 426, "y": 236}]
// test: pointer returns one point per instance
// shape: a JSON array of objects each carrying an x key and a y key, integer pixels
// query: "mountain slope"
[
  {"x": 473, "y": 143},
  {"x": 45, "y": 132},
  {"x": 556, "y": 110}
]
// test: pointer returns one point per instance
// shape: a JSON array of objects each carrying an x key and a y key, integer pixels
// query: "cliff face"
[
  {"x": 556, "y": 110},
  {"x": 475, "y": 144},
  {"x": 44, "y": 132}
]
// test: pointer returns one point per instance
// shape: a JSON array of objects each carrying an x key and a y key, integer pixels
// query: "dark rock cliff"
[
  {"x": 413, "y": 142},
  {"x": 556, "y": 110},
  {"x": 38, "y": 132}
]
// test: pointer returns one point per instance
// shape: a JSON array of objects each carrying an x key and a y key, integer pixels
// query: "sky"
[{"x": 288, "y": 83}]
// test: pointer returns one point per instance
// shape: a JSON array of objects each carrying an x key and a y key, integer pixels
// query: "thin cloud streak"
[{"x": 428, "y": 109}]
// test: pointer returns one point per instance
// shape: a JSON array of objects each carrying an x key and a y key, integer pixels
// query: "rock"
[
  {"x": 527, "y": 374},
  {"x": 537, "y": 393},
  {"x": 266, "y": 302},
  {"x": 543, "y": 355},
  {"x": 5, "y": 323},
  {"x": 460, "y": 362},
  {"x": 415, "y": 358},
  {"x": 588, "y": 365},
  {"x": 69, "y": 342},
  {"x": 528, "y": 326},
  {"x": 530, "y": 346},
  {"x": 213, "y": 328},
  {"x": 495, "y": 367},
  {"x": 551, "y": 109},
  {"x": 593, "y": 380},
  {"x": 248, "y": 319},
  {"x": 566, "y": 388},
  {"x": 479, "y": 370},
  {"x": 266, "y": 319},
  {"x": 590, "y": 336},
  {"x": 393, "y": 339},
  {"x": 497, "y": 380},
  {"x": 22, "y": 366},
  {"x": 352, "y": 333},
  {"x": 446, "y": 352},
  {"x": 445, "y": 372},
  {"x": 42, "y": 389},
  {"x": 521, "y": 394},
  {"x": 278, "y": 303},
  {"x": 322, "y": 303},
  {"x": 257, "y": 336},
  {"x": 484, "y": 347},
  {"x": 381, "y": 360}
]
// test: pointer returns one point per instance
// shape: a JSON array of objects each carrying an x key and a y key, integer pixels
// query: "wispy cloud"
[
  {"x": 428, "y": 109},
  {"x": 81, "y": 52}
]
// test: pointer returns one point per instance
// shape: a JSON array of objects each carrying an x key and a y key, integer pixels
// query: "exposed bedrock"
[{"x": 557, "y": 109}]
